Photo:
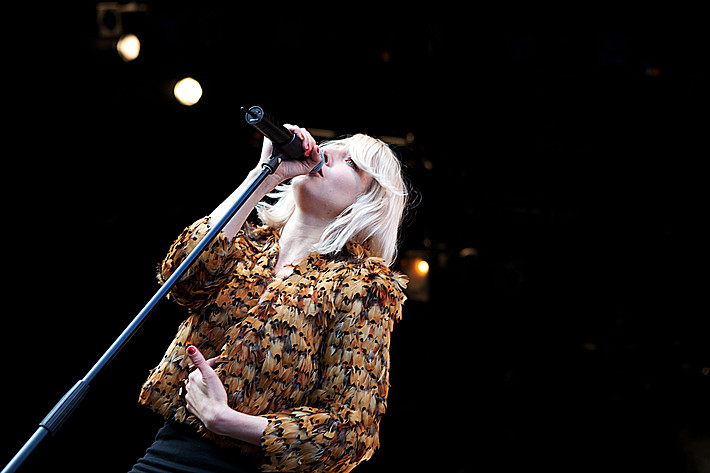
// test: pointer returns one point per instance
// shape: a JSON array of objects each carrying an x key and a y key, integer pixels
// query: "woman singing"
[{"x": 283, "y": 362}]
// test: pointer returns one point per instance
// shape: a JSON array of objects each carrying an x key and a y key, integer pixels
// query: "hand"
[
  {"x": 206, "y": 398},
  {"x": 293, "y": 168},
  {"x": 204, "y": 392}
]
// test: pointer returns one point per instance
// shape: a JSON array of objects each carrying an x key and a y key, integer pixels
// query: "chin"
[{"x": 313, "y": 198}]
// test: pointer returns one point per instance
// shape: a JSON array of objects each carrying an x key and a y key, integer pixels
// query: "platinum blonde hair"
[{"x": 373, "y": 219}]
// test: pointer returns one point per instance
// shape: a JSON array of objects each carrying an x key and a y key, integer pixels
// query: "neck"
[{"x": 298, "y": 236}]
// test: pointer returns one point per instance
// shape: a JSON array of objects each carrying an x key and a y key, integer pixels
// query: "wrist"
[
  {"x": 271, "y": 181},
  {"x": 230, "y": 423},
  {"x": 220, "y": 420}
]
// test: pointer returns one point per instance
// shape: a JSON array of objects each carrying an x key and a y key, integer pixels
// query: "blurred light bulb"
[
  {"x": 128, "y": 47},
  {"x": 188, "y": 91},
  {"x": 422, "y": 266}
]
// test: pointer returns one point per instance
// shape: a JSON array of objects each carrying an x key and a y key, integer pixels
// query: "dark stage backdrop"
[{"x": 558, "y": 179}]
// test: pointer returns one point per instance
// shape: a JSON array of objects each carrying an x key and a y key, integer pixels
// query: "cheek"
[
  {"x": 344, "y": 189},
  {"x": 346, "y": 186}
]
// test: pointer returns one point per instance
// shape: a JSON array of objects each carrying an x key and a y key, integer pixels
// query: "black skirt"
[{"x": 179, "y": 449}]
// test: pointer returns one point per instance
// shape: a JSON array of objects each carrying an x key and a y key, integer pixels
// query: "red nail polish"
[{"x": 191, "y": 350}]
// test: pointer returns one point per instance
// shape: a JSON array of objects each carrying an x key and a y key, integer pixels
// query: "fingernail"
[{"x": 191, "y": 350}]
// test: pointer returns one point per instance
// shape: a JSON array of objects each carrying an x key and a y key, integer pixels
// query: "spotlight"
[
  {"x": 415, "y": 265},
  {"x": 128, "y": 47},
  {"x": 188, "y": 91},
  {"x": 422, "y": 266}
]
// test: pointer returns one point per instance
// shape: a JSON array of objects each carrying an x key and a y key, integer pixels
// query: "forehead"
[{"x": 337, "y": 146}]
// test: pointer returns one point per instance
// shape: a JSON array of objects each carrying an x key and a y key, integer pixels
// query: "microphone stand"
[{"x": 71, "y": 400}]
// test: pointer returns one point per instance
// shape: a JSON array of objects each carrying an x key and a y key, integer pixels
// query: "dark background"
[{"x": 556, "y": 164}]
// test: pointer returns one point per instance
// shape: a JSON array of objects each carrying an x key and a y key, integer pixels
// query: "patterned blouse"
[{"x": 309, "y": 352}]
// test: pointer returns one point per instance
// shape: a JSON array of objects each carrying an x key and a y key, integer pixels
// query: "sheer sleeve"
[{"x": 340, "y": 427}]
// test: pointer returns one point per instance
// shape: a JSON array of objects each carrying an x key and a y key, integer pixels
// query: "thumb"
[{"x": 199, "y": 361}]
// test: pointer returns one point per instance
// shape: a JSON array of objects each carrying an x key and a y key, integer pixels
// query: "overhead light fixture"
[
  {"x": 188, "y": 91},
  {"x": 128, "y": 47},
  {"x": 109, "y": 16}
]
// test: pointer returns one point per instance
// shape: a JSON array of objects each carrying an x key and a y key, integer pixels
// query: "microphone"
[{"x": 287, "y": 143}]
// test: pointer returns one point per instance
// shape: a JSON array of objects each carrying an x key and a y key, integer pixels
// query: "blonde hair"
[{"x": 373, "y": 219}]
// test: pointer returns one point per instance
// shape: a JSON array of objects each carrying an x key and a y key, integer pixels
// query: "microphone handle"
[{"x": 288, "y": 143}]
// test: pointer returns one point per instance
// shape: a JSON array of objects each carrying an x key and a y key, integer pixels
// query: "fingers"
[
  {"x": 309, "y": 143},
  {"x": 292, "y": 168},
  {"x": 203, "y": 392},
  {"x": 213, "y": 362}
]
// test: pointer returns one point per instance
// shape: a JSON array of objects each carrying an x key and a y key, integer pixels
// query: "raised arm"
[{"x": 286, "y": 170}]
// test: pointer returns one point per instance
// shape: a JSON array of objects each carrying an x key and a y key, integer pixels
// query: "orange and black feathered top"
[{"x": 309, "y": 352}]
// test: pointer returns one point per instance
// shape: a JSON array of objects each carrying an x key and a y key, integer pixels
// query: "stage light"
[
  {"x": 188, "y": 91},
  {"x": 109, "y": 19},
  {"x": 128, "y": 47},
  {"x": 422, "y": 267},
  {"x": 415, "y": 265},
  {"x": 110, "y": 16}
]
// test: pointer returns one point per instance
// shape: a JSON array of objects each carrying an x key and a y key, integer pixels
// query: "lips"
[
  {"x": 318, "y": 170},
  {"x": 319, "y": 167}
]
